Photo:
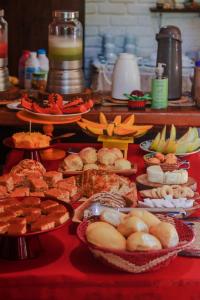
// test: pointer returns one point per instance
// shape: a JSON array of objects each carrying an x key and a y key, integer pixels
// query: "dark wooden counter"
[{"x": 184, "y": 116}]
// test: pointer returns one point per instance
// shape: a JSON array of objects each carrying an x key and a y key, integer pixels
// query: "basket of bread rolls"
[
  {"x": 136, "y": 242},
  {"x": 168, "y": 162}
]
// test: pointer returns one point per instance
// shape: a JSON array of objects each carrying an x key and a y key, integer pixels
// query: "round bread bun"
[
  {"x": 166, "y": 233},
  {"x": 105, "y": 235},
  {"x": 88, "y": 155},
  {"x": 122, "y": 164},
  {"x": 73, "y": 162},
  {"x": 101, "y": 152},
  {"x": 132, "y": 224},
  {"x": 118, "y": 153},
  {"x": 90, "y": 167},
  {"x": 141, "y": 241},
  {"x": 145, "y": 215},
  {"x": 107, "y": 157},
  {"x": 112, "y": 217}
]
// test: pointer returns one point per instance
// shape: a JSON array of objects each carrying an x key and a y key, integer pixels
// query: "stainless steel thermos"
[{"x": 170, "y": 53}]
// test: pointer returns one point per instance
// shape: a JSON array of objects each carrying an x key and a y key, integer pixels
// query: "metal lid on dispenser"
[
  {"x": 170, "y": 31},
  {"x": 65, "y": 14}
]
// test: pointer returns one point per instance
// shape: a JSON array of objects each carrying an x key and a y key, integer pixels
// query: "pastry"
[
  {"x": 176, "y": 177},
  {"x": 107, "y": 157},
  {"x": 30, "y": 140},
  {"x": 52, "y": 177},
  {"x": 7, "y": 181},
  {"x": 48, "y": 204},
  {"x": 88, "y": 155},
  {"x": 166, "y": 233},
  {"x": 58, "y": 194},
  {"x": 132, "y": 224},
  {"x": 3, "y": 227},
  {"x": 59, "y": 217},
  {"x": 118, "y": 153},
  {"x": 141, "y": 241},
  {"x": 90, "y": 167},
  {"x": 38, "y": 185},
  {"x": 72, "y": 162},
  {"x": 31, "y": 201},
  {"x": 28, "y": 166},
  {"x": 16, "y": 229},
  {"x": 122, "y": 164},
  {"x": 105, "y": 235},
  {"x": 43, "y": 223},
  {"x": 20, "y": 192}
]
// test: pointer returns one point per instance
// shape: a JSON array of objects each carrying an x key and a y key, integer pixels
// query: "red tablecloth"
[{"x": 67, "y": 270}]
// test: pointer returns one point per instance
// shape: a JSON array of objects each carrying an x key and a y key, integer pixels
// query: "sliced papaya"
[
  {"x": 117, "y": 120},
  {"x": 93, "y": 124},
  {"x": 102, "y": 119},
  {"x": 95, "y": 130},
  {"x": 123, "y": 132},
  {"x": 82, "y": 125},
  {"x": 129, "y": 120},
  {"x": 110, "y": 129},
  {"x": 136, "y": 127}
]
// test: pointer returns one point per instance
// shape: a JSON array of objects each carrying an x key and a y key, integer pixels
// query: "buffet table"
[
  {"x": 181, "y": 116},
  {"x": 67, "y": 270}
]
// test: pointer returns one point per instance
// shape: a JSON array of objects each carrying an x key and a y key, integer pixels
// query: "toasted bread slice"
[
  {"x": 20, "y": 192},
  {"x": 52, "y": 177},
  {"x": 6, "y": 216},
  {"x": 57, "y": 209},
  {"x": 43, "y": 223},
  {"x": 59, "y": 217},
  {"x": 31, "y": 201},
  {"x": 3, "y": 227},
  {"x": 16, "y": 229}
]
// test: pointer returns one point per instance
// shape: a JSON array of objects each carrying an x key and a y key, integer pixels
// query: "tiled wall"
[{"x": 121, "y": 17}]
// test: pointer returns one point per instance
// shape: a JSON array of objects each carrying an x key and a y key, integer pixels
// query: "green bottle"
[{"x": 159, "y": 89}]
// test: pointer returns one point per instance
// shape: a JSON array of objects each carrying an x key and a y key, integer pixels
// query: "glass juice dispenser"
[
  {"x": 4, "y": 74},
  {"x": 65, "y": 53}
]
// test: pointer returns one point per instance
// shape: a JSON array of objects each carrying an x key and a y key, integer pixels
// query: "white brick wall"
[{"x": 121, "y": 17}]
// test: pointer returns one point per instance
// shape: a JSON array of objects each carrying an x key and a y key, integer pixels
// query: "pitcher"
[{"x": 126, "y": 76}]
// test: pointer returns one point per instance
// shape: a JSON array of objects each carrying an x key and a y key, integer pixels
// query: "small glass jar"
[
  {"x": 3, "y": 40},
  {"x": 65, "y": 37}
]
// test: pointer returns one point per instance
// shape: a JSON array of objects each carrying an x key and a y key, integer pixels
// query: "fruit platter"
[
  {"x": 55, "y": 107},
  {"x": 188, "y": 144}
]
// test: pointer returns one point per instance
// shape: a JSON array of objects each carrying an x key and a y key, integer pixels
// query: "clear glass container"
[
  {"x": 65, "y": 36},
  {"x": 3, "y": 38}
]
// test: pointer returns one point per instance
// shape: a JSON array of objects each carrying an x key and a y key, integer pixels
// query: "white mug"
[{"x": 126, "y": 76}]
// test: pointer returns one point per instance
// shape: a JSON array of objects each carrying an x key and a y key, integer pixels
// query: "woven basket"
[{"x": 140, "y": 261}]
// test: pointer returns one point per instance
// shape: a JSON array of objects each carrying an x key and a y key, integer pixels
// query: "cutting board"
[{"x": 144, "y": 184}]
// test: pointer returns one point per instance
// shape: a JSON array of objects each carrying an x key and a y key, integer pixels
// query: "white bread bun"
[
  {"x": 145, "y": 215},
  {"x": 105, "y": 235},
  {"x": 122, "y": 164},
  {"x": 118, "y": 153},
  {"x": 107, "y": 157},
  {"x": 88, "y": 155},
  {"x": 101, "y": 152},
  {"x": 73, "y": 162},
  {"x": 132, "y": 224},
  {"x": 166, "y": 233},
  {"x": 112, "y": 217},
  {"x": 90, "y": 167},
  {"x": 140, "y": 241}
]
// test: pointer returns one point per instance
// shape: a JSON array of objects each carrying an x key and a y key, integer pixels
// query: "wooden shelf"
[{"x": 175, "y": 10}]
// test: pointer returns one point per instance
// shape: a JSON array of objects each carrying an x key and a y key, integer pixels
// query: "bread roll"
[
  {"x": 122, "y": 164},
  {"x": 88, "y": 155},
  {"x": 140, "y": 241},
  {"x": 105, "y": 235},
  {"x": 73, "y": 162},
  {"x": 107, "y": 157},
  {"x": 145, "y": 215},
  {"x": 118, "y": 153},
  {"x": 112, "y": 217},
  {"x": 101, "y": 152},
  {"x": 166, "y": 233},
  {"x": 90, "y": 167},
  {"x": 132, "y": 224}
]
